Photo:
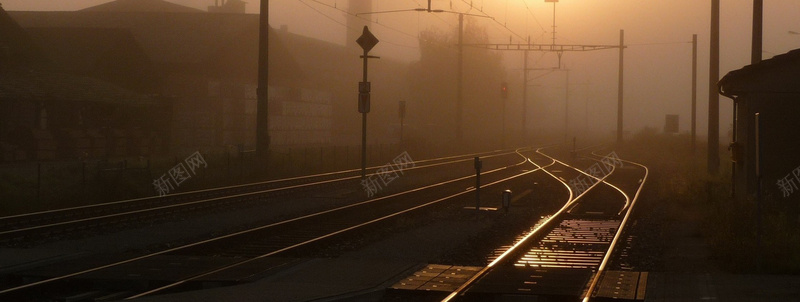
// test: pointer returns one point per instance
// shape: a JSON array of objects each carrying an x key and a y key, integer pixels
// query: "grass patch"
[{"x": 679, "y": 179}]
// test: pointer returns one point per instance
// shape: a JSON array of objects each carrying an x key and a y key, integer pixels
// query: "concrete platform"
[{"x": 312, "y": 279}]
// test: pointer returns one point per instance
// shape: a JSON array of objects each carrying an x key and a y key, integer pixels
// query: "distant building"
[
  {"x": 770, "y": 89},
  {"x": 47, "y": 113},
  {"x": 206, "y": 63},
  {"x": 141, "y": 6}
]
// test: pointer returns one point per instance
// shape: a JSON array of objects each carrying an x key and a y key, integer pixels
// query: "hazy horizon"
[{"x": 657, "y": 33}]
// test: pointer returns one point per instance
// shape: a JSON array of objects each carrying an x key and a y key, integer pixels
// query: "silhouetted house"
[
  {"x": 207, "y": 63},
  {"x": 770, "y": 89},
  {"x": 109, "y": 54},
  {"x": 141, "y": 6},
  {"x": 48, "y": 114}
]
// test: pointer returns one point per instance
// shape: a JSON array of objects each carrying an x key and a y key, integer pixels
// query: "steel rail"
[
  {"x": 207, "y": 200},
  {"x": 493, "y": 153},
  {"x": 623, "y": 224},
  {"x": 545, "y": 225},
  {"x": 178, "y": 283},
  {"x": 174, "y": 249},
  {"x": 542, "y": 227}
]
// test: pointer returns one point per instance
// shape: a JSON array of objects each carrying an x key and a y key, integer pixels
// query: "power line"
[
  {"x": 435, "y": 15},
  {"x": 498, "y": 22},
  {"x": 368, "y": 20},
  {"x": 534, "y": 16},
  {"x": 350, "y": 28},
  {"x": 659, "y": 43}
]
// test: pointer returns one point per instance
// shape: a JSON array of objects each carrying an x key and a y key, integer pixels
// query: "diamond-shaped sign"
[{"x": 367, "y": 40}]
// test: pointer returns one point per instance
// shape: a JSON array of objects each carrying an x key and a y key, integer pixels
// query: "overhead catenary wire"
[
  {"x": 348, "y": 27},
  {"x": 362, "y": 18},
  {"x": 534, "y": 16},
  {"x": 504, "y": 26}
]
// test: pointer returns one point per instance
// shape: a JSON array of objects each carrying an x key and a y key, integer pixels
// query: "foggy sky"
[{"x": 657, "y": 61}]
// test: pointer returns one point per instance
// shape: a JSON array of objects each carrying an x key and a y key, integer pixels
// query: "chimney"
[
  {"x": 355, "y": 24},
  {"x": 228, "y": 7}
]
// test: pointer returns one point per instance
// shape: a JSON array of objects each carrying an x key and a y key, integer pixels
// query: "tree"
[{"x": 433, "y": 84}]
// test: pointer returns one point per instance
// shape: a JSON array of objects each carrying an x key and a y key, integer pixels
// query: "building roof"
[
  {"x": 17, "y": 50},
  {"x": 780, "y": 74},
  {"x": 26, "y": 75},
  {"x": 176, "y": 38},
  {"x": 110, "y": 54},
  {"x": 150, "y": 6},
  {"x": 181, "y": 39}
]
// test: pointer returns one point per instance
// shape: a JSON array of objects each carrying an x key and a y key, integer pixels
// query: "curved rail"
[
  {"x": 623, "y": 224},
  {"x": 178, "y": 283},
  {"x": 546, "y": 225},
  {"x": 542, "y": 227}
]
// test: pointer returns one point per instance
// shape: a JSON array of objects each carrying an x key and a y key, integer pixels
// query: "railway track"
[
  {"x": 565, "y": 255},
  {"x": 25, "y": 228},
  {"x": 246, "y": 247}
]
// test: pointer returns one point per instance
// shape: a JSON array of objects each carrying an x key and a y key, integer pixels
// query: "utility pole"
[
  {"x": 566, "y": 107},
  {"x": 525, "y": 94},
  {"x": 560, "y": 49},
  {"x": 554, "y": 19},
  {"x": 620, "y": 86},
  {"x": 713, "y": 93},
  {"x": 694, "y": 92},
  {"x": 460, "y": 79},
  {"x": 262, "y": 113}
]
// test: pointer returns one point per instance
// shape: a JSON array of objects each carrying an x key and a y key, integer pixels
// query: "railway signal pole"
[
  {"x": 367, "y": 41},
  {"x": 459, "y": 68}
]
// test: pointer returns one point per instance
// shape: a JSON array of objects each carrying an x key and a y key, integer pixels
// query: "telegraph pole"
[
  {"x": 566, "y": 106},
  {"x": 460, "y": 76},
  {"x": 525, "y": 94},
  {"x": 262, "y": 114},
  {"x": 620, "y": 86},
  {"x": 713, "y": 93},
  {"x": 694, "y": 92}
]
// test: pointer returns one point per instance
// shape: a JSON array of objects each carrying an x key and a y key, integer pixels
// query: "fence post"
[
  {"x": 306, "y": 164},
  {"x": 241, "y": 162},
  {"x": 38, "y": 181}
]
